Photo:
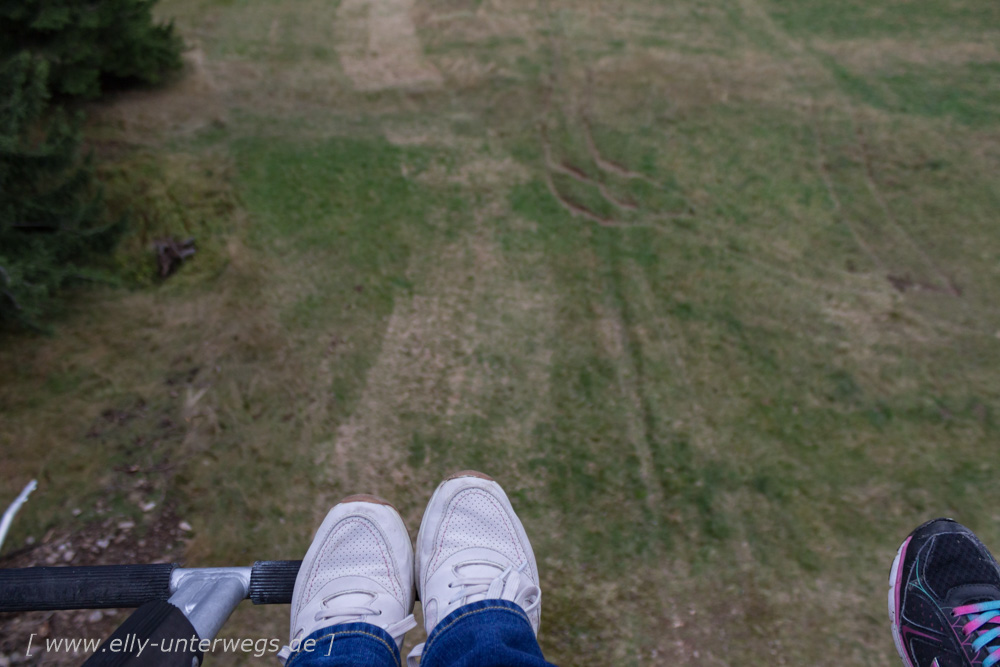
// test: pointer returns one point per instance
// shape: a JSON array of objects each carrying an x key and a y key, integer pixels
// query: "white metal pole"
[{"x": 8, "y": 516}]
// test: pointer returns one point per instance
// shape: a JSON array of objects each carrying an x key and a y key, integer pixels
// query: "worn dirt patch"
[{"x": 379, "y": 48}]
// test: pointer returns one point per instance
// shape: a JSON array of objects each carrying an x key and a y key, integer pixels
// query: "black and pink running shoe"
[{"x": 944, "y": 598}]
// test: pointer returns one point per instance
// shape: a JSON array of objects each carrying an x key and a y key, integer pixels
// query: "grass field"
[{"x": 710, "y": 287}]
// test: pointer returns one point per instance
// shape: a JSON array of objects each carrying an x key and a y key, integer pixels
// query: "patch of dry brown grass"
[
  {"x": 883, "y": 54},
  {"x": 378, "y": 46}
]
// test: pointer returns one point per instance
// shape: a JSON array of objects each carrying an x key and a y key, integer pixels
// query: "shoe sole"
[{"x": 895, "y": 585}]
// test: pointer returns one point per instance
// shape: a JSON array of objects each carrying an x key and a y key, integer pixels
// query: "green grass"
[
  {"x": 966, "y": 94},
  {"x": 857, "y": 18},
  {"x": 718, "y": 412}
]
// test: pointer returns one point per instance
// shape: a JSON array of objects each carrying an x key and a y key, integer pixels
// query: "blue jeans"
[{"x": 488, "y": 633}]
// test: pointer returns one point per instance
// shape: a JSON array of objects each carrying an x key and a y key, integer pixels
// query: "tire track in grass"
[
  {"x": 673, "y": 346},
  {"x": 574, "y": 208},
  {"x": 616, "y": 329},
  {"x": 605, "y": 164},
  {"x": 581, "y": 112},
  {"x": 633, "y": 327},
  {"x": 638, "y": 335},
  {"x": 634, "y": 411},
  {"x": 626, "y": 319},
  {"x": 579, "y": 210},
  {"x": 580, "y": 177}
]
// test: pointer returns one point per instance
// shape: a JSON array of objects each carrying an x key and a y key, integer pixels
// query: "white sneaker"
[
  {"x": 359, "y": 568},
  {"x": 472, "y": 547}
]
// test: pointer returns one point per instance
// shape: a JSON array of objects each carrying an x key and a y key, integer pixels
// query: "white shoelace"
[
  {"x": 354, "y": 615},
  {"x": 503, "y": 587}
]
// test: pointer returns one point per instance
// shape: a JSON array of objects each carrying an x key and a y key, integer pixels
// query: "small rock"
[
  {"x": 4, "y": 661},
  {"x": 77, "y": 511},
  {"x": 103, "y": 543},
  {"x": 68, "y": 555},
  {"x": 29, "y": 540},
  {"x": 52, "y": 558},
  {"x": 126, "y": 525},
  {"x": 185, "y": 526},
  {"x": 95, "y": 616},
  {"x": 145, "y": 507}
]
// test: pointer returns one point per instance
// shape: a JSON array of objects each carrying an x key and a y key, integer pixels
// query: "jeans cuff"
[
  {"x": 469, "y": 613},
  {"x": 346, "y": 638}
]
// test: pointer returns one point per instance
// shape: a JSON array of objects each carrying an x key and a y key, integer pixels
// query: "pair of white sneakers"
[{"x": 360, "y": 566}]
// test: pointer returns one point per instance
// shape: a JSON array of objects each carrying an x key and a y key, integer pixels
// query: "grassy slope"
[{"x": 632, "y": 260}]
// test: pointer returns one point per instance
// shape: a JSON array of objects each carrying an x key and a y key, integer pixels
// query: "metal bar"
[
  {"x": 120, "y": 586},
  {"x": 207, "y": 596}
]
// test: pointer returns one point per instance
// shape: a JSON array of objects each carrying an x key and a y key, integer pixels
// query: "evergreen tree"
[
  {"x": 50, "y": 209},
  {"x": 51, "y": 214},
  {"x": 91, "y": 44}
]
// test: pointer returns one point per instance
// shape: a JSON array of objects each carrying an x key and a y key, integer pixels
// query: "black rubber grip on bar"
[
  {"x": 157, "y": 634},
  {"x": 94, "y": 587},
  {"x": 272, "y": 581}
]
